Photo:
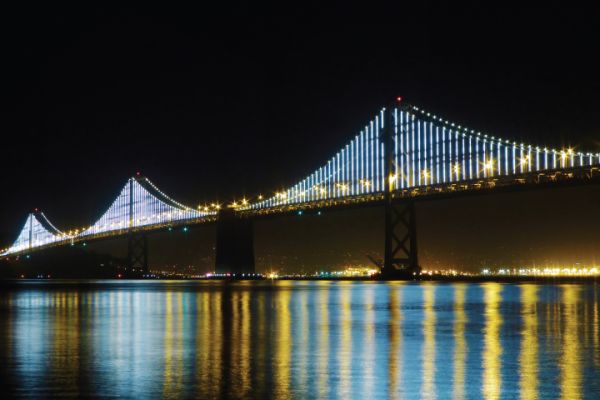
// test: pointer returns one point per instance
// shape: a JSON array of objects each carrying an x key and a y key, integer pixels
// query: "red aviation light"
[{"x": 399, "y": 99}]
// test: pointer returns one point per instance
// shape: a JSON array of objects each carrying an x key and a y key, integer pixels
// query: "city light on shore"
[{"x": 544, "y": 272}]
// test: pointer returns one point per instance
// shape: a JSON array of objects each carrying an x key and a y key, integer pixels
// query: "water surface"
[{"x": 298, "y": 339}]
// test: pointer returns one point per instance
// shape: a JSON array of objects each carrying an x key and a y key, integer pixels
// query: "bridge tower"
[
  {"x": 137, "y": 252},
  {"x": 137, "y": 248},
  {"x": 235, "y": 244},
  {"x": 400, "y": 250}
]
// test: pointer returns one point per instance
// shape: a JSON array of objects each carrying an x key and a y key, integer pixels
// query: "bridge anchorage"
[{"x": 402, "y": 156}]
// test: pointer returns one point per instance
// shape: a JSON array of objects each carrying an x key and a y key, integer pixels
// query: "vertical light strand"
[
  {"x": 352, "y": 162},
  {"x": 412, "y": 151},
  {"x": 372, "y": 156},
  {"x": 344, "y": 178},
  {"x": 376, "y": 145},
  {"x": 424, "y": 172},
  {"x": 361, "y": 152},
  {"x": 450, "y": 159},
  {"x": 470, "y": 156},
  {"x": 437, "y": 155},
  {"x": 514, "y": 155},
  {"x": 382, "y": 158},
  {"x": 403, "y": 175},
  {"x": 499, "y": 156},
  {"x": 484, "y": 158},
  {"x": 456, "y": 155},
  {"x": 463, "y": 157},
  {"x": 363, "y": 155},
  {"x": 418, "y": 171},
  {"x": 444, "y": 154},
  {"x": 329, "y": 180},
  {"x": 381, "y": 166},
  {"x": 492, "y": 158},
  {"x": 432, "y": 174},
  {"x": 337, "y": 175},
  {"x": 396, "y": 172}
]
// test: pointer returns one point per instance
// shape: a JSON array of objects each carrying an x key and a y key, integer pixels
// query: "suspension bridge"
[{"x": 403, "y": 155}]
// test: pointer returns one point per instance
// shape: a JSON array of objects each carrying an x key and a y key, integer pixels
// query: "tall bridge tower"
[{"x": 400, "y": 245}]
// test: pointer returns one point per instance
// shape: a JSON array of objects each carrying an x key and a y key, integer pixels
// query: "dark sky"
[{"x": 212, "y": 103}]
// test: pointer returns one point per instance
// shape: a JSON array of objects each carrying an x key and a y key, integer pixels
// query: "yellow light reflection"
[
  {"x": 283, "y": 344},
  {"x": 369, "y": 341},
  {"x": 263, "y": 338},
  {"x": 168, "y": 377},
  {"x": 203, "y": 341},
  {"x": 173, "y": 372},
  {"x": 570, "y": 363},
  {"x": 428, "y": 388},
  {"x": 345, "y": 350},
  {"x": 65, "y": 339},
  {"x": 303, "y": 339},
  {"x": 395, "y": 353},
  {"x": 492, "y": 379},
  {"x": 323, "y": 340},
  {"x": 596, "y": 329},
  {"x": 245, "y": 343},
  {"x": 234, "y": 341},
  {"x": 213, "y": 336},
  {"x": 460, "y": 344},
  {"x": 528, "y": 359}
]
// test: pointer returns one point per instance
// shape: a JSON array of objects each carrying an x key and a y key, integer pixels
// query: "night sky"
[{"x": 216, "y": 103}]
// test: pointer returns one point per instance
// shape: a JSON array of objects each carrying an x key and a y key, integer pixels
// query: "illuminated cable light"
[
  {"x": 456, "y": 169},
  {"x": 342, "y": 187},
  {"x": 563, "y": 158},
  {"x": 489, "y": 165}
]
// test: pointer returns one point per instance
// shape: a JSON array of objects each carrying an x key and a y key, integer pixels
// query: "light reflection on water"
[{"x": 300, "y": 340}]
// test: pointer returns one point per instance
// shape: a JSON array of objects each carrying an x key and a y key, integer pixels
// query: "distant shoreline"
[{"x": 444, "y": 279}]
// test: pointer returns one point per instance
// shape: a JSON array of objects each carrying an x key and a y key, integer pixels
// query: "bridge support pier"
[
  {"x": 235, "y": 244},
  {"x": 137, "y": 253},
  {"x": 401, "y": 257}
]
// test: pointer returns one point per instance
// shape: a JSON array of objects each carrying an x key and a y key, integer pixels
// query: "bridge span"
[{"x": 403, "y": 155}]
